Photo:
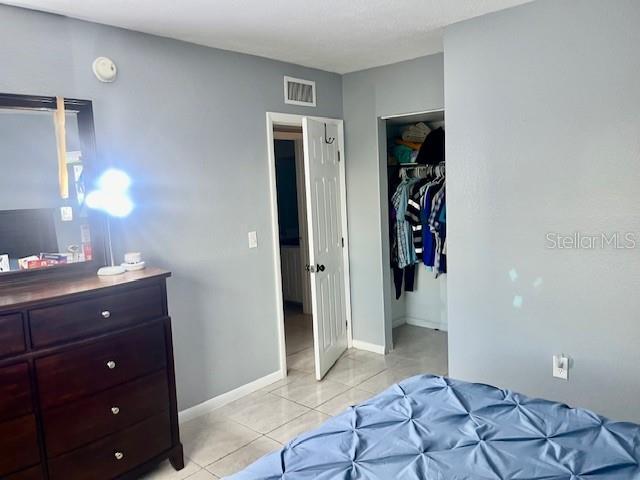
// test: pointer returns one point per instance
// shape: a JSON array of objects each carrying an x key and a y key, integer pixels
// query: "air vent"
[{"x": 299, "y": 92}]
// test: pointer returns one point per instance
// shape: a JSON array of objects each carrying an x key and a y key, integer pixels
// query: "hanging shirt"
[
  {"x": 413, "y": 215},
  {"x": 443, "y": 234},
  {"x": 437, "y": 229},
  {"x": 403, "y": 234},
  {"x": 428, "y": 238}
]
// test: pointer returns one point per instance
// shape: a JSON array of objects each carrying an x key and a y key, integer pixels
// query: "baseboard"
[
  {"x": 421, "y": 322},
  {"x": 369, "y": 347},
  {"x": 228, "y": 397},
  {"x": 398, "y": 321}
]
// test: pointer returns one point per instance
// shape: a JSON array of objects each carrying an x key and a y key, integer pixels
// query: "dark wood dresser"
[{"x": 87, "y": 385}]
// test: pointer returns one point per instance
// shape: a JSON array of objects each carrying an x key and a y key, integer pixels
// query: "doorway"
[
  {"x": 412, "y": 155},
  {"x": 294, "y": 248},
  {"x": 308, "y": 191}
]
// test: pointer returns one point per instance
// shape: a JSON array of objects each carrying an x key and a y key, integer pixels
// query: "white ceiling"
[{"x": 335, "y": 35}]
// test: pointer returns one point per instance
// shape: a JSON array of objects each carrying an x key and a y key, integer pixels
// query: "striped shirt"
[{"x": 414, "y": 214}]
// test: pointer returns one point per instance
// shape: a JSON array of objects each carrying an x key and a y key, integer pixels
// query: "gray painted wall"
[
  {"x": 415, "y": 85},
  {"x": 543, "y": 136},
  {"x": 188, "y": 124}
]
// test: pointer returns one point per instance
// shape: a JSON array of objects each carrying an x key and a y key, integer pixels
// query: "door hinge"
[
  {"x": 338, "y": 155},
  {"x": 342, "y": 239}
]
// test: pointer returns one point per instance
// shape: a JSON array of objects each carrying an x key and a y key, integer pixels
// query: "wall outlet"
[
  {"x": 561, "y": 367},
  {"x": 253, "y": 239}
]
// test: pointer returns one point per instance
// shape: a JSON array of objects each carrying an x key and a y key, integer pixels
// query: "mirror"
[{"x": 44, "y": 221}]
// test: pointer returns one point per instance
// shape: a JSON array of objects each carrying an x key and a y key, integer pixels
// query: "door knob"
[
  {"x": 310, "y": 268},
  {"x": 320, "y": 268}
]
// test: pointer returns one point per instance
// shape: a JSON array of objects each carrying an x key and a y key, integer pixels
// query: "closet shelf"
[{"x": 404, "y": 165}]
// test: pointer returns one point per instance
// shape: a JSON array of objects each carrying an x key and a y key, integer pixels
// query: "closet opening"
[
  {"x": 413, "y": 157},
  {"x": 294, "y": 249}
]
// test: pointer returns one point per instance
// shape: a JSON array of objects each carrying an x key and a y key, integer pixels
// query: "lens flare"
[{"x": 112, "y": 196}]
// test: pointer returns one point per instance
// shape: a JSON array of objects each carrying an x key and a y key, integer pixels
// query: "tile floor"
[{"x": 232, "y": 437}]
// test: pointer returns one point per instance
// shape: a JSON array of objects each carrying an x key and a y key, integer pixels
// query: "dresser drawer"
[
  {"x": 105, "y": 413},
  {"x": 116, "y": 454},
  {"x": 34, "y": 473},
  {"x": 84, "y": 318},
  {"x": 18, "y": 444},
  {"x": 11, "y": 335},
  {"x": 15, "y": 391},
  {"x": 100, "y": 365}
]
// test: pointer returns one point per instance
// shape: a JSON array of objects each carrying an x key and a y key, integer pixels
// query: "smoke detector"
[{"x": 104, "y": 69}]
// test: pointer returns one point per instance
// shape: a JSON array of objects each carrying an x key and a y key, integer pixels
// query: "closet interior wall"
[{"x": 426, "y": 306}]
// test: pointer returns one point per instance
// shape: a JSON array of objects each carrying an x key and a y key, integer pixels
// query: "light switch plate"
[
  {"x": 66, "y": 214},
  {"x": 253, "y": 239},
  {"x": 561, "y": 367}
]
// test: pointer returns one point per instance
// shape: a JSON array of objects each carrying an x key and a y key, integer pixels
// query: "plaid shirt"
[
  {"x": 403, "y": 238},
  {"x": 434, "y": 225}
]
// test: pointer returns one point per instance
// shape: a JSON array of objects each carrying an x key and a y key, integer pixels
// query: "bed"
[{"x": 436, "y": 428}]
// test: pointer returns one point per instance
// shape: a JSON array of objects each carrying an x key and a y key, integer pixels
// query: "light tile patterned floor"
[{"x": 232, "y": 437}]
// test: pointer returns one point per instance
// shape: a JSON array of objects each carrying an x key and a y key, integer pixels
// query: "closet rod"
[{"x": 438, "y": 170}]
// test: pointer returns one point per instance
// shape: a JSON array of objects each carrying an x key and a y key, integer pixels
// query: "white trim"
[
  {"x": 304, "y": 82},
  {"x": 228, "y": 397},
  {"x": 421, "y": 322},
  {"x": 421, "y": 112},
  {"x": 369, "y": 347},
  {"x": 289, "y": 119},
  {"x": 345, "y": 231},
  {"x": 275, "y": 238}
]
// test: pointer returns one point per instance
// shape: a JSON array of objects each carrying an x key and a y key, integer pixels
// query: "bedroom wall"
[
  {"x": 188, "y": 124},
  {"x": 415, "y": 85},
  {"x": 542, "y": 136}
]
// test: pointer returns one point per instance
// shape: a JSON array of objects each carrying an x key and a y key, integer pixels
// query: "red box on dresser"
[{"x": 87, "y": 383}]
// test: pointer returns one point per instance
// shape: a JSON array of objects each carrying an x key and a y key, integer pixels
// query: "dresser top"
[{"x": 19, "y": 295}]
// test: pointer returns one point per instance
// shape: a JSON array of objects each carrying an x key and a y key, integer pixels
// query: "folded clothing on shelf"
[
  {"x": 411, "y": 145},
  {"x": 416, "y": 133},
  {"x": 404, "y": 154}
]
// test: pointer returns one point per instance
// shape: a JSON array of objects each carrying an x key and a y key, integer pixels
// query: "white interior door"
[
  {"x": 302, "y": 222},
  {"x": 326, "y": 259}
]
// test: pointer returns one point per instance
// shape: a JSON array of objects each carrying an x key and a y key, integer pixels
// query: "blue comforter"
[{"x": 435, "y": 428}]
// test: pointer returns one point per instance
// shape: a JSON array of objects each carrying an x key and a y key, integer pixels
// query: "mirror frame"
[{"x": 97, "y": 221}]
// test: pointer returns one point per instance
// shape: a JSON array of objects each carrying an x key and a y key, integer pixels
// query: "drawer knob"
[
  {"x": 111, "y": 364},
  {"x": 119, "y": 455},
  {"x": 115, "y": 410},
  {"x": 105, "y": 314}
]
